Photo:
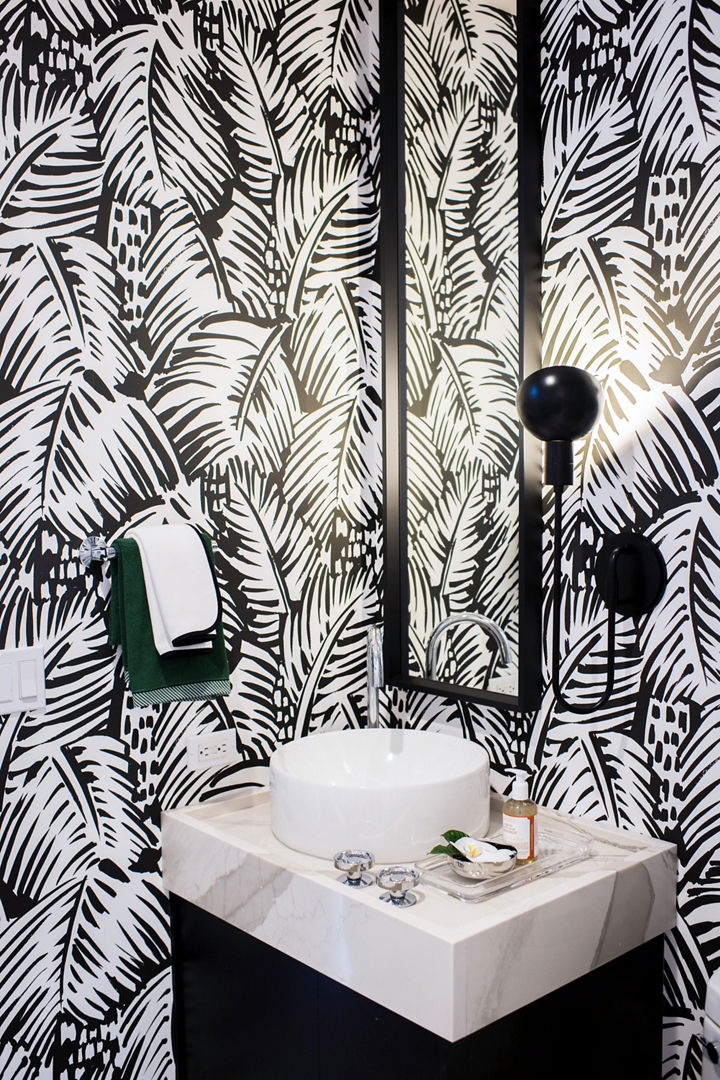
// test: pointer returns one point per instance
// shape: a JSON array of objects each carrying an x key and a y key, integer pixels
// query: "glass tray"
[{"x": 555, "y": 852}]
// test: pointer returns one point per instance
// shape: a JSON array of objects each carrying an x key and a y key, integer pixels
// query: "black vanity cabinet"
[
  {"x": 245, "y": 1011},
  {"x": 283, "y": 971}
]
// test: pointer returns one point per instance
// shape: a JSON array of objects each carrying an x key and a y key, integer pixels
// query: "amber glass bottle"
[{"x": 519, "y": 817}]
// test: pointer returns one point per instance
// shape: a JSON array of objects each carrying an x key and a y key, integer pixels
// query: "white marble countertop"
[{"x": 449, "y": 966}]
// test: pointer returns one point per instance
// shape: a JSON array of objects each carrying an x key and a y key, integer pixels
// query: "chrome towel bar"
[{"x": 95, "y": 549}]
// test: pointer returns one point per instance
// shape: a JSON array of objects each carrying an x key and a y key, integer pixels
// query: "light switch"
[
  {"x": 28, "y": 679},
  {"x": 7, "y": 682},
  {"x": 22, "y": 680}
]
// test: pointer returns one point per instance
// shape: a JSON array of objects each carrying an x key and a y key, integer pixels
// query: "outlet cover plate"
[{"x": 212, "y": 750}]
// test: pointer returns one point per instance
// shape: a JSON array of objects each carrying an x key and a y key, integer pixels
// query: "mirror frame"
[{"x": 392, "y": 270}]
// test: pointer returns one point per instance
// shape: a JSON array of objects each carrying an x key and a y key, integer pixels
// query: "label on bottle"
[{"x": 520, "y": 833}]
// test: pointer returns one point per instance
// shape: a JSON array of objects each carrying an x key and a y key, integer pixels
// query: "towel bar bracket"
[{"x": 94, "y": 549}]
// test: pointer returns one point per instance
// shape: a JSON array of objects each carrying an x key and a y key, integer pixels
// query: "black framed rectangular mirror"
[{"x": 460, "y": 263}]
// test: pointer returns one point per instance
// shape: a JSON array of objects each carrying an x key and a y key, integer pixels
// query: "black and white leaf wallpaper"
[
  {"x": 189, "y": 314},
  {"x": 631, "y": 141},
  {"x": 190, "y": 330}
]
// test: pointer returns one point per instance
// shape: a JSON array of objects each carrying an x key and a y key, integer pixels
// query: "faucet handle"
[
  {"x": 354, "y": 864},
  {"x": 398, "y": 880},
  {"x": 375, "y": 673}
]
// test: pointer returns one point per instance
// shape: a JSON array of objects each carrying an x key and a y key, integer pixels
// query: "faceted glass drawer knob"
[
  {"x": 354, "y": 864},
  {"x": 398, "y": 880}
]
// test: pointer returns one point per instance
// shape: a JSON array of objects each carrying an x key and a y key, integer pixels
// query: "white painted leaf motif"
[
  {"x": 185, "y": 114},
  {"x": 145, "y": 1048},
  {"x": 228, "y": 396},
  {"x": 79, "y": 16},
  {"x": 31, "y": 994},
  {"x": 66, "y": 808},
  {"x": 327, "y": 220},
  {"x": 330, "y": 48},
  {"x": 481, "y": 567},
  {"x": 185, "y": 281},
  {"x": 473, "y": 43},
  {"x": 118, "y": 938},
  {"x": 58, "y": 314},
  {"x": 41, "y": 133},
  {"x": 705, "y": 60},
  {"x": 680, "y": 639},
  {"x": 665, "y": 102},
  {"x": 651, "y": 450},
  {"x": 471, "y": 408}
]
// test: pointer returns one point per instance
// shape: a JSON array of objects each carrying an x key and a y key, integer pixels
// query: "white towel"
[{"x": 180, "y": 585}]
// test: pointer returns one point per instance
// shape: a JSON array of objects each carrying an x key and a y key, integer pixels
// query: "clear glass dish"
[{"x": 554, "y": 852}]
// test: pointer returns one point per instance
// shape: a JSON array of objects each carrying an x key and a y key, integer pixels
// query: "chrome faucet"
[
  {"x": 493, "y": 628},
  {"x": 375, "y": 673}
]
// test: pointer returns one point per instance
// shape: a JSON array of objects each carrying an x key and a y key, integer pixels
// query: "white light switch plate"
[{"x": 22, "y": 680}]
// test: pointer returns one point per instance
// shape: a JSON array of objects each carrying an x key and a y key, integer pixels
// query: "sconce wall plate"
[{"x": 641, "y": 575}]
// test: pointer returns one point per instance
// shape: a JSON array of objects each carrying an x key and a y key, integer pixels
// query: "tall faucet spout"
[
  {"x": 492, "y": 628},
  {"x": 375, "y": 674}
]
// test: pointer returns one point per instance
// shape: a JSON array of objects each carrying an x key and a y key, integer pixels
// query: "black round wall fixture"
[
  {"x": 640, "y": 572},
  {"x": 559, "y": 403}
]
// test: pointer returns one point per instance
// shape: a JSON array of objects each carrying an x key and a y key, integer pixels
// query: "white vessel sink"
[{"x": 392, "y": 792}]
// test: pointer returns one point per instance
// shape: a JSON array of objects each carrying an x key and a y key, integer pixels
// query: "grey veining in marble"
[{"x": 449, "y": 966}]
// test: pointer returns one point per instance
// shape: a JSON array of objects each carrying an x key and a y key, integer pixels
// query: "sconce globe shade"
[{"x": 559, "y": 403}]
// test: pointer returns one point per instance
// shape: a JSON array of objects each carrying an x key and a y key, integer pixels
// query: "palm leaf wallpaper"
[
  {"x": 189, "y": 316},
  {"x": 190, "y": 328}
]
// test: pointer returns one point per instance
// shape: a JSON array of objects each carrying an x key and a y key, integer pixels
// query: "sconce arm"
[{"x": 611, "y": 601}]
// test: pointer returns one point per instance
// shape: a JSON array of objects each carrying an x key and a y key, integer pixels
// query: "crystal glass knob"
[
  {"x": 398, "y": 880},
  {"x": 354, "y": 864}
]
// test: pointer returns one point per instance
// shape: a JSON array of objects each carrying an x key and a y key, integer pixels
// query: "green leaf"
[
  {"x": 453, "y": 834},
  {"x": 440, "y": 849}
]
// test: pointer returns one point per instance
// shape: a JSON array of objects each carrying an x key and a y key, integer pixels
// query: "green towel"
[{"x": 153, "y": 679}]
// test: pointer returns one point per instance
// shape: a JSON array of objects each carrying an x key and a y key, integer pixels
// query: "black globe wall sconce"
[{"x": 558, "y": 405}]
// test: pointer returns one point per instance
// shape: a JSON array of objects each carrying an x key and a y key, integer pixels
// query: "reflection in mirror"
[{"x": 462, "y": 342}]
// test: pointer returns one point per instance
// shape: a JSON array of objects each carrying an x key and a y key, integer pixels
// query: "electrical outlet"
[{"x": 212, "y": 750}]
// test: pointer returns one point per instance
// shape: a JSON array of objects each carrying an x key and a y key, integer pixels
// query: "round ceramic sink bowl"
[{"x": 392, "y": 792}]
